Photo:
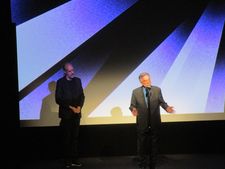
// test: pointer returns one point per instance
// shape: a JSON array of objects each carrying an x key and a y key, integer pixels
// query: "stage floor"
[{"x": 167, "y": 161}]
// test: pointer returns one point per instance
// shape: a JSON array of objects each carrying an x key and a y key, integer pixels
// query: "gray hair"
[{"x": 144, "y": 74}]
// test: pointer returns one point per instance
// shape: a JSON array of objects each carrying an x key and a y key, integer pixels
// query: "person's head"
[
  {"x": 68, "y": 70},
  {"x": 145, "y": 79}
]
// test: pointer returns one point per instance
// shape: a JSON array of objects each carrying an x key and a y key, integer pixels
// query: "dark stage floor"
[{"x": 178, "y": 161}]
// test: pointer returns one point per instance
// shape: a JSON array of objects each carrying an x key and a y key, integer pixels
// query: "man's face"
[
  {"x": 146, "y": 81},
  {"x": 69, "y": 71}
]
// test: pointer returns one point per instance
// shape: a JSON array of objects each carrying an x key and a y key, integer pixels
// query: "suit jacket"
[
  {"x": 156, "y": 100},
  {"x": 69, "y": 92}
]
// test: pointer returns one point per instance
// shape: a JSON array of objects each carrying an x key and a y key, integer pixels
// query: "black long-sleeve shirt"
[{"x": 69, "y": 93}]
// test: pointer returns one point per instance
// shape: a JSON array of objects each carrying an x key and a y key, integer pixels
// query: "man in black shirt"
[{"x": 70, "y": 98}]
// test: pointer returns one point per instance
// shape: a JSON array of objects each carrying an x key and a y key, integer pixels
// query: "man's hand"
[
  {"x": 170, "y": 109},
  {"x": 134, "y": 111},
  {"x": 75, "y": 109}
]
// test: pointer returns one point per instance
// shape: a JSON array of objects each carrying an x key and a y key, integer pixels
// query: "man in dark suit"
[
  {"x": 145, "y": 105},
  {"x": 70, "y": 98}
]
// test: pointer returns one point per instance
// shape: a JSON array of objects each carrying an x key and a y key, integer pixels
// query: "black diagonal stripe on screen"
[
  {"x": 97, "y": 46},
  {"x": 135, "y": 37},
  {"x": 129, "y": 39},
  {"x": 83, "y": 55},
  {"x": 221, "y": 53},
  {"x": 23, "y": 10},
  {"x": 38, "y": 81}
]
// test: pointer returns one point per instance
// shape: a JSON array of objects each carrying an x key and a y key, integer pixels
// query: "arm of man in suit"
[
  {"x": 170, "y": 109},
  {"x": 134, "y": 111},
  {"x": 164, "y": 105},
  {"x": 132, "y": 107}
]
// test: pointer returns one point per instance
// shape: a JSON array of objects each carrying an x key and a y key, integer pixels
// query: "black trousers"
[
  {"x": 70, "y": 134},
  {"x": 147, "y": 147}
]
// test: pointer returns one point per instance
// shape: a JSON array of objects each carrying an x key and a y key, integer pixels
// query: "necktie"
[
  {"x": 147, "y": 92},
  {"x": 147, "y": 95}
]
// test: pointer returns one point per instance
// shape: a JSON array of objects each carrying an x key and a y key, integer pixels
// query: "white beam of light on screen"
[
  {"x": 187, "y": 83},
  {"x": 216, "y": 97},
  {"x": 45, "y": 40},
  {"x": 158, "y": 63},
  {"x": 42, "y": 97}
]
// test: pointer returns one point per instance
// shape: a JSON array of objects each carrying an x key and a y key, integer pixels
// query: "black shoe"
[
  {"x": 67, "y": 164},
  {"x": 76, "y": 164}
]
